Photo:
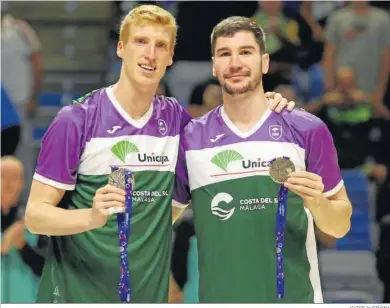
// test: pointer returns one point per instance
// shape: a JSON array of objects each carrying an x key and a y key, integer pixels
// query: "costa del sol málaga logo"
[{"x": 217, "y": 211}]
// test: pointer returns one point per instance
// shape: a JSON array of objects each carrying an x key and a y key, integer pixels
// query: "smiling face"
[
  {"x": 147, "y": 54},
  {"x": 147, "y": 40},
  {"x": 238, "y": 63}
]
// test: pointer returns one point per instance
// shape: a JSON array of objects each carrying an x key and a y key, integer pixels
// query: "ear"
[
  {"x": 214, "y": 72},
  {"x": 265, "y": 63},
  {"x": 170, "y": 61},
  {"x": 120, "y": 49}
]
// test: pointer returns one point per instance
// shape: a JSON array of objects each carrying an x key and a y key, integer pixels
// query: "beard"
[{"x": 232, "y": 90}]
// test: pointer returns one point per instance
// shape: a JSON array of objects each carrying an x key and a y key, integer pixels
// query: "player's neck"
[
  {"x": 245, "y": 110},
  {"x": 135, "y": 100}
]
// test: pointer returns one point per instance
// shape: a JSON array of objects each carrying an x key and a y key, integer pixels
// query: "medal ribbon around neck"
[
  {"x": 123, "y": 179},
  {"x": 279, "y": 170}
]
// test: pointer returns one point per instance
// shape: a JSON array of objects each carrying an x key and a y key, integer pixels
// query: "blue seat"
[
  {"x": 354, "y": 243},
  {"x": 57, "y": 99},
  {"x": 52, "y": 101},
  {"x": 308, "y": 84},
  {"x": 38, "y": 133},
  {"x": 359, "y": 236}
]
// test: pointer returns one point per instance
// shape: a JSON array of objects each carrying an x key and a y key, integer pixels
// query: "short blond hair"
[{"x": 148, "y": 14}]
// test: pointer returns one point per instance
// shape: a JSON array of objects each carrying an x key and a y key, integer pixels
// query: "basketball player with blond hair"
[{"x": 70, "y": 201}]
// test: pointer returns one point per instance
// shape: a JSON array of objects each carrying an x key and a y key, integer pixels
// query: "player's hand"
[
  {"x": 108, "y": 200},
  {"x": 13, "y": 237},
  {"x": 307, "y": 185},
  {"x": 278, "y": 103}
]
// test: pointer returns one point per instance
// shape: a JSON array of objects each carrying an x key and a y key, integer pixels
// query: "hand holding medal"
[{"x": 307, "y": 185}]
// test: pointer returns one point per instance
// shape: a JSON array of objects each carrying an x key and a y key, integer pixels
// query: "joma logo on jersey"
[
  {"x": 124, "y": 148},
  {"x": 224, "y": 158}
]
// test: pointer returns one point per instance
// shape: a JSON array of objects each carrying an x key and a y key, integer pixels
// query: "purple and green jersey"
[
  {"x": 81, "y": 144},
  {"x": 226, "y": 172}
]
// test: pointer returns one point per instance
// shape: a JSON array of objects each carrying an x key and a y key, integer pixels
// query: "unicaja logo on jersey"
[
  {"x": 224, "y": 158},
  {"x": 124, "y": 148},
  {"x": 217, "y": 211},
  {"x": 152, "y": 158},
  {"x": 259, "y": 163}
]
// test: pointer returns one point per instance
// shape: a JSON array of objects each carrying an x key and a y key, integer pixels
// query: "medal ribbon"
[
  {"x": 280, "y": 228},
  {"x": 123, "y": 220}
]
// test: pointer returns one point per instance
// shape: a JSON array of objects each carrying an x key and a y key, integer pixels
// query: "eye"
[
  {"x": 161, "y": 45},
  {"x": 246, "y": 52},
  {"x": 140, "y": 41},
  {"x": 224, "y": 54}
]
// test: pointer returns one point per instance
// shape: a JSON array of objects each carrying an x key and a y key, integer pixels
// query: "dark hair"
[{"x": 234, "y": 24}]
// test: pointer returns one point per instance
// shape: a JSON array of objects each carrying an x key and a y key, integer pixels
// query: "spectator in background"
[
  {"x": 21, "y": 75},
  {"x": 205, "y": 97},
  {"x": 358, "y": 36},
  {"x": 308, "y": 76},
  {"x": 282, "y": 41},
  {"x": 289, "y": 93},
  {"x": 350, "y": 117},
  {"x": 21, "y": 63},
  {"x": 323, "y": 9},
  {"x": 10, "y": 125},
  {"x": 22, "y": 253}
]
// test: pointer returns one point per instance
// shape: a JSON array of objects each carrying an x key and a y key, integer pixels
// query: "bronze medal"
[{"x": 280, "y": 168}]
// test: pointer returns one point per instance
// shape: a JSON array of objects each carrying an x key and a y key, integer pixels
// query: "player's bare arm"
[
  {"x": 44, "y": 217},
  {"x": 332, "y": 215}
]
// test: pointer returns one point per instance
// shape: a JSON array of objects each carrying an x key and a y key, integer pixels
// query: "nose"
[
  {"x": 235, "y": 62},
  {"x": 151, "y": 52}
]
